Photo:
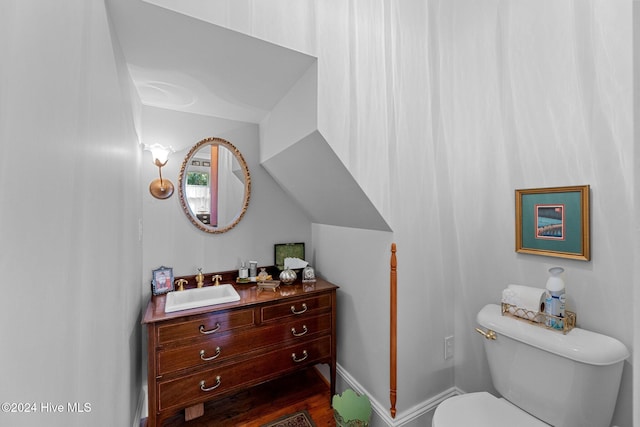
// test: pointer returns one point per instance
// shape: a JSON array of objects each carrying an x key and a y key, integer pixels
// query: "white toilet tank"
[{"x": 567, "y": 380}]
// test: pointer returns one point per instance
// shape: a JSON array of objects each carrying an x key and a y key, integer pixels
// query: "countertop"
[{"x": 249, "y": 296}]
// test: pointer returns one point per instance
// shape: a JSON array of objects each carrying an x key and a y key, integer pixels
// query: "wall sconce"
[{"x": 160, "y": 188}]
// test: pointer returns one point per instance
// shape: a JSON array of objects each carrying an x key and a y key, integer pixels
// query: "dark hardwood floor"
[{"x": 264, "y": 403}]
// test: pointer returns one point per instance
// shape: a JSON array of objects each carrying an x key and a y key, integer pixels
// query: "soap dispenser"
[
  {"x": 555, "y": 298},
  {"x": 243, "y": 272}
]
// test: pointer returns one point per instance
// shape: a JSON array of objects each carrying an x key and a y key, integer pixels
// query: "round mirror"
[{"x": 214, "y": 186}]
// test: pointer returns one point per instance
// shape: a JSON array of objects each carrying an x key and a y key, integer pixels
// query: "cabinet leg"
[{"x": 194, "y": 411}]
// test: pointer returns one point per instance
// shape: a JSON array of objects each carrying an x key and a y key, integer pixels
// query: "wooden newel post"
[{"x": 393, "y": 336}]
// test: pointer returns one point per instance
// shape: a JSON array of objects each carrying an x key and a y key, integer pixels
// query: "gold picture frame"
[{"x": 554, "y": 222}]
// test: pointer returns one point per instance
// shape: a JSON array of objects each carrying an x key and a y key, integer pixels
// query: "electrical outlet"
[{"x": 448, "y": 347}]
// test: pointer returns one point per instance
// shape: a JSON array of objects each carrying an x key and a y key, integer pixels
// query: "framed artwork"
[
  {"x": 553, "y": 222},
  {"x": 287, "y": 250},
  {"x": 162, "y": 281}
]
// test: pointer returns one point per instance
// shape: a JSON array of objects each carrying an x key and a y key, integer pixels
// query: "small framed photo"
[
  {"x": 554, "y": 222},
  {"x": 287, "y": 250},
  {"x": 206, "y": 164},
  {"x": 162, "y": 281},
  {"x": 195, "y": 162}
]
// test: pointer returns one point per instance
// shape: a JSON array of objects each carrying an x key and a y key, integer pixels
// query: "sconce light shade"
[
  {"x": 160, "y": 188},
  {"x": 159, "y": 153}
]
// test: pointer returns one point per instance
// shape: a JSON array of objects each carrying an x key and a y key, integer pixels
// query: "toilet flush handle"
[{"x": 490, "y": 335}]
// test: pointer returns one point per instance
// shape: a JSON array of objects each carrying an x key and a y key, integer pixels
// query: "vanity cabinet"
[{"x": 207, "y": 353}]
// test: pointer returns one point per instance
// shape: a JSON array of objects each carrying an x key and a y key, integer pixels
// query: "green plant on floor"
[{"x": 351, "y": 409}]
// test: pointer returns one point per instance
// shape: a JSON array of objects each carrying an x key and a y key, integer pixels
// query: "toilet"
[{"x": 544, "y": 378}]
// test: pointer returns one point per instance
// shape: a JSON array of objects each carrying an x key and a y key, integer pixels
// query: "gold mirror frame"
[{"x": 183, "y": 179}]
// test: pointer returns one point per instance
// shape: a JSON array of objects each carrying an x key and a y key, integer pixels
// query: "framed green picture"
[
  {"x": 287, "y": 250},
  {"x": 553, "y": 222}
]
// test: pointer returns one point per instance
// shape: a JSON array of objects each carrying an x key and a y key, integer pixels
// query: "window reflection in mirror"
[
  {"x": 214, "y": 185},
  {"x": 198, "y": 194}
]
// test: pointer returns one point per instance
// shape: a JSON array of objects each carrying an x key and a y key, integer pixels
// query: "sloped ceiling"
[
  {"x": 181, "y": 63},
  {"x": 314, "y": 176}
]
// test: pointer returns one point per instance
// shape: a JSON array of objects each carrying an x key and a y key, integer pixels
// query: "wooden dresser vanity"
[{"x": 206, "y": 353}]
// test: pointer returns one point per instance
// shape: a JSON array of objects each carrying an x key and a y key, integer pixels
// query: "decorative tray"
[
  {"x": 251, "y": 280},
  {"x": 544, "y": 320},
  {"x": 271, "y": 285}
]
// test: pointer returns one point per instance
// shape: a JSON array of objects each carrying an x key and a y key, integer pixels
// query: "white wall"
[
  {"x": 636, "y": 193},
  {"x": 440, "y": 110},
  {"x": 438, "y": 140},
  {"x": 277, "y": 131},
  {"x": 539, "y": 94},
  {"x": 170, "y": 239},
  {"x": 71, "y": 260}
]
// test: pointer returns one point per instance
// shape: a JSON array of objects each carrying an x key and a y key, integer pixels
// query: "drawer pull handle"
[
  {"x": 304, "y": 356},
  {"x": 299, "y": 334},
  {"x": 213, "y": 387},
  {"x": 210, "y": 331},
  {"x": 206, "y": 359},
  {"x": 304, "y": 308}
]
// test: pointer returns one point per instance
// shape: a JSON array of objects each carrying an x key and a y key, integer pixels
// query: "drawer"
[
  {"x": 298, "y": 329},
  {"x": 209, "y": 383},
  {"x": 204, "y": 325},
  {"x": 297, "y": 307},
  {"x": 221, "y": 347}
]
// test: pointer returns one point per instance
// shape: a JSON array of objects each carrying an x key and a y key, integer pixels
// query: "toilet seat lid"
[{"x": 482, "y": 410}]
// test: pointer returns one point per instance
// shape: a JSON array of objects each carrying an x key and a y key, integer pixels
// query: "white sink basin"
[{"x": 200, "y": 297}]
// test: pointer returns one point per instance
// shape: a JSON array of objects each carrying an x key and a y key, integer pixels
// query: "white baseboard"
[
  {"x": 381, "y": 411},
  {"x": 402, "y": 417},
  {"x": 141, "y": 408}
]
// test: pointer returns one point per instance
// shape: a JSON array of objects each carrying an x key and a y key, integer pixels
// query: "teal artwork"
[
  {"x": 543, "y": 230},
  {"x": 553, "y": 222}
]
